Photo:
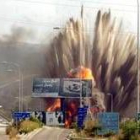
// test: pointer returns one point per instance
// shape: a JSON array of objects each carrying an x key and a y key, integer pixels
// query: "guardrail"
[{"x": 3, "y": 115}]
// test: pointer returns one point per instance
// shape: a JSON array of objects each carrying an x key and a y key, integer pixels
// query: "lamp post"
[
  {"x": 109, "y": 94},
  {"x": 138, "y": 61},
  {"x": 20, "y": 79}
]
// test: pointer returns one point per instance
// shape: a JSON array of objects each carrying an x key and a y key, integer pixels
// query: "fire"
[
  {"x": 71, "y": 111},
  {"x": 83, "y": 73},
  {"x": 80, "y": 72},
  {"x": 71, "y": 105},
  {"x": 53, "y": 104}
]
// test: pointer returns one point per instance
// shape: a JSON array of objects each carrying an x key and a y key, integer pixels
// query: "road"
[
  {"x": 2, "y": 132},
  {"x": 4, "y": 137},
  {"x": 52, "y": 133}
]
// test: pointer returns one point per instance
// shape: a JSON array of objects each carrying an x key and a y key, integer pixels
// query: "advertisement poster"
[
  {"x": 62, "y": 88},
  {"x": 72, "y": 88},
  {"x": 46, "y": 87},
  {"x": 54, "y": 118}
]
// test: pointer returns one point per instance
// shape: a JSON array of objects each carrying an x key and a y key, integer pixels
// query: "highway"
[
  {"x": 4, "y": 137},
  {"x": 2, "y": 132},
  {"x": 52, "y": 133}
]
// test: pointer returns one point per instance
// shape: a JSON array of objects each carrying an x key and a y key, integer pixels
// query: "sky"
[{"x": 42, "y": 15}]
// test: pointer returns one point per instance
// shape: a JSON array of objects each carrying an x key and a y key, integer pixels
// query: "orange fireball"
[{"x": 80, "y": 72}]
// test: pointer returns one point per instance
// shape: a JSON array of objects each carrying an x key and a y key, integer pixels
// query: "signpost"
[
  {"x": 21, "y": 115},
  {"x": 82, "y": 112},
  {"x": 109, "y": 122}
]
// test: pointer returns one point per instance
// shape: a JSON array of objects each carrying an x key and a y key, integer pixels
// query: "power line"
[
  {"x": 26, "y": 22},
  {"x": 52, "y": 26},
  {"x": 119, "y": 4},
  {"x": 92, "y": 30},
  {"x": 67, "y": 5}
]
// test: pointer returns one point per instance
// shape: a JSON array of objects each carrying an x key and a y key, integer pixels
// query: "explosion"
[
  {"x": 81, "y": 72},
  {"x": 53, "y": 105},
  {"x": 111, "y": 58}
]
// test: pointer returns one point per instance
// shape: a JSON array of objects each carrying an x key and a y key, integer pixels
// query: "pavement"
[
  {"x": 2, "y": 132},
  {"x": 4, "y": 137},
  {"x": 51, "y": 133}
]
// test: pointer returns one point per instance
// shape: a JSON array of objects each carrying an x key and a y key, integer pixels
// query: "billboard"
[
  {"x": 109, "y": 123},
  {"x": 46, "y": 87},
  {"x": 72, "y": 88},
  {"x": 55, "y": 118},
  {"x": 62, "y": 88}
]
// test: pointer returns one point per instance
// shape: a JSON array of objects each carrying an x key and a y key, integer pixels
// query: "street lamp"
[
  {"x": 20, "y": 78},
  {"x": 138, "y": 61},
  {"x": 109, "y": 94}
]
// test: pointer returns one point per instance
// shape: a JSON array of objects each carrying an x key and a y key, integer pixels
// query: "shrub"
[
  {"x": 8, "y": 129},
  {"x": 33, "y": 119},
  {"x": 28, "y": 126},
  {"x": 91, "y": 127},
  {"x": 24, "y": 126},
  {"x": 130, "y": 130},
  {"x": 109, "y": 134},
  {"x": 13, "y": 132}
]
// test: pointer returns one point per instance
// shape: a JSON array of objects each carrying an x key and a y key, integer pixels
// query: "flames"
[
  {"x": 71, "y": 105},
  {"x": 80, "y": 72},
  {"x": 111, "y": 57},
  {"x": 53, "y": 104},
  {"x": 83, "y": 73},
  {"x": 71, "y": 111}
]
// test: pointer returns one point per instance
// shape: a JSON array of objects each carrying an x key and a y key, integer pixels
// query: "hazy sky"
[{"x": 43, "y": 15}]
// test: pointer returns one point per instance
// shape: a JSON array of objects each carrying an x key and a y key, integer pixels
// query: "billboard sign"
[
  {"x": 55, "y": 118},
  {"x": 109, "y": 123},
  {"x": 21, "y": 115},
  {"x": 66, "y": 87},
  {"x": 48, "y": 87},
  {"x": 72, "y": 88}
]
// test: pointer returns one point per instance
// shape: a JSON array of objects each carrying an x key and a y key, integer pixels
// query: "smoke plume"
[{"x": 111, "y": 56}]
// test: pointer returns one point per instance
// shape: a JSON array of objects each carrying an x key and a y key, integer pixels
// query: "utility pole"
[
  {"x": 80, "y": 54},
  {"x": 109, "y": 94},
  {"x": 138, "y": 96}
]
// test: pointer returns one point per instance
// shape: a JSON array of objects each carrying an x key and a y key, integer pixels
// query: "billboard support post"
[{"x": 81, "y": 93}]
